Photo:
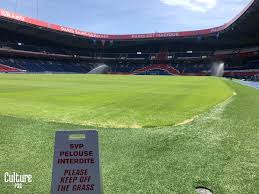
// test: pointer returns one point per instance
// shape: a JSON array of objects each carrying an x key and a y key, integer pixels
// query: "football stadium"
[{"x": 176, "y": 112}]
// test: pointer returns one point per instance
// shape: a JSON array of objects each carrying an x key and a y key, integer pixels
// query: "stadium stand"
[
  {"x": 37, "y": 46},
  {"x": 34, "y": 65},
  {"x": 167, "y": 68},
  {"x": 7, "y": 69}
]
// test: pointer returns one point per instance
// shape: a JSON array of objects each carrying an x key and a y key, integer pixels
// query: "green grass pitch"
[{"x": 143, "y": 149}]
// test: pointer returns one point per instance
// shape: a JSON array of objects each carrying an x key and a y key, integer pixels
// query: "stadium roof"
[
  {"x": 28, "y": 20},
  {"x": 243, "y": 27}
]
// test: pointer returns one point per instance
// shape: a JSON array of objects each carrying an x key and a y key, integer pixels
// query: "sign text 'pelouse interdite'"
[{"x": 76, "y": 165}]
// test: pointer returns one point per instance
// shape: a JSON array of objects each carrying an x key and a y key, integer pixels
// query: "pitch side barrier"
[{"x": 41, "y": 24}]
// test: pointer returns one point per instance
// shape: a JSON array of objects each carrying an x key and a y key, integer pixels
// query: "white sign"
[{"x": 76, "y": 165}]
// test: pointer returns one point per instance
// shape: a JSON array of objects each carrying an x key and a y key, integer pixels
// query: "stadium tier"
[
  {"x": 37, "y": 65},
  {"x": 37, "y": 46},
  {"x": 4, "y": 69}
]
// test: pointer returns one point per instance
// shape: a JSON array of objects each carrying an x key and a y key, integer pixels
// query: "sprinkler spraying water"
[
  {"x": 217, "y": 69},
  {"x": 100, "y": 69}
]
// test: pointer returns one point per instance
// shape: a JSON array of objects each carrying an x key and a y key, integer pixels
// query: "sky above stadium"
[{"x": 130, "y": 16}]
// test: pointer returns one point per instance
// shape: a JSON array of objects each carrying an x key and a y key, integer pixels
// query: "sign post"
[{"x": 76, "y": 164}]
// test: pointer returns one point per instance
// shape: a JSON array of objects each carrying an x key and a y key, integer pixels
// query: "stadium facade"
[{"x": 31, "y": 45}]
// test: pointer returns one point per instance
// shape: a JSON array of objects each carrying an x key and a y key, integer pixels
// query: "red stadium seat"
[{"x": 4, "y": 68}]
